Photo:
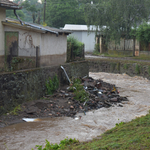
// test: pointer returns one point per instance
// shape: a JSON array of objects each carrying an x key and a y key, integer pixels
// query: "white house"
[
  {"x": 84, "y": 35},
  {"x": 32, "y": 42}
]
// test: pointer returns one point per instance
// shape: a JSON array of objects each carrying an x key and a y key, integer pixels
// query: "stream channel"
[{"x": 24, "y": 136}]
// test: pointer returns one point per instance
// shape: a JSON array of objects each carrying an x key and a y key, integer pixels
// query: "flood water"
[{"x": 24, "y": 136}]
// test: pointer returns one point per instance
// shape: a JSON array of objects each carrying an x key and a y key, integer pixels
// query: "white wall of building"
[
  {"x": 52, "y": 44},
  {"x": 2, "y": 18},
  {"x": 87, "y": 38}
]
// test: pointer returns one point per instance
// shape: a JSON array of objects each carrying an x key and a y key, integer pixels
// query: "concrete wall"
[
  {"x": 87, "y": 38},
  {"x": 20, "y": 86},
  {"x": 2, "y": 18},
  {"x": 53, "y": 49},
  {"x": 132, "y": 68}
]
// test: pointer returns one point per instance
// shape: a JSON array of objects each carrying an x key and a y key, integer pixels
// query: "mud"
[{"x": 27, "y": 135}]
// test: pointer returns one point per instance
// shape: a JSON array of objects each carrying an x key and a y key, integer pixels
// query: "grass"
[
  {"x": 141, "y": 57},
  {"x": 134, "y": 135},
  {"x": 15, "y": 110}
]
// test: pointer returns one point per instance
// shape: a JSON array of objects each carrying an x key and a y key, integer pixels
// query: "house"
[
  {"x": 25, "y": 45},
  {"x": 82, "y": 34}
]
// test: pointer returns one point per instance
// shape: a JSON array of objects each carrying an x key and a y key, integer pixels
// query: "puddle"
[{"x": 24, "y": 136}]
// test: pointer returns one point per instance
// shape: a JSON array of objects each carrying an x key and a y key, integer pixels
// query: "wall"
[
  {"x": 26, "y": 85},
  {"x": 2, "y": 18},
  {"x": 28, "y": 41},
  {"x": 132, "y": 68},
  {"x": 87, "y": 38},
  {"x": 53, "y": 49}
]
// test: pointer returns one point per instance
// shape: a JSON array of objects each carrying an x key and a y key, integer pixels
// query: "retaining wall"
[
  {"x": 20, "y": 86},
  {"x": 132, "y": 68}
]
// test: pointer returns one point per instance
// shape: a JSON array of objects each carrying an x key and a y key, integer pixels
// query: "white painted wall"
[
  {"x": 49, "y": 44},
  {"x": 2, "y": 18},
  {"x": 52, "y": 44},
  {"x": 27, "y": 41},
  {"x": 87, "y": 38}
]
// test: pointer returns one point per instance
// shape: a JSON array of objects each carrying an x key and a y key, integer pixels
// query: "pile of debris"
[
  {"x": 101, "y": 94},
  {"x": 63, "y": 102}
]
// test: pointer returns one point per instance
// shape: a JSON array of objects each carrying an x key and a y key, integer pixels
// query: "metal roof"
[
  {"x": 9, "y": 4},
  {"x": 73, "y": 27},
  {"x": 33, "y": 27}
]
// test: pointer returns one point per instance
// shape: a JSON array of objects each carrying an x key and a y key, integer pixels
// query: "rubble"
[{"x": 63, "y": 102}]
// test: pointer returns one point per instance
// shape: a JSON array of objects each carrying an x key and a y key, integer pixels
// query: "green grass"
[
  {"x": 134, "y": 135},
  {"x": 142, "y": 57},
  {"x": 15, "y": 110}
]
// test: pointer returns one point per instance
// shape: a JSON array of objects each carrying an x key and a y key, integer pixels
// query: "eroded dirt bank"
[{"x": 27, "y": 135}]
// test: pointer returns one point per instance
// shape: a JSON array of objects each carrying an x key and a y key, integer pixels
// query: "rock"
[
  {"x": 71, "y": 107},
  {"x": 114, "y": 99},
  {"x": 31, "y": 110}
]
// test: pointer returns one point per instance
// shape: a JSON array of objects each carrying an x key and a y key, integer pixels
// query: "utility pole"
[{"x": 44, "y": 11}]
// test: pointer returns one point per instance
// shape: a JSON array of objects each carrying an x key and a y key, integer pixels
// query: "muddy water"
[{"x": 25, "y": 136}]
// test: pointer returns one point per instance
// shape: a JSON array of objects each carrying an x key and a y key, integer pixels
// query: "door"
[{"x": 11, "y": 47}]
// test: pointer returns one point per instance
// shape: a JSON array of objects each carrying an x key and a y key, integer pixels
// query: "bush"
[
  {"x": 52, "y": 85},
  {"x": 142, "y": 34},
  {"x": 76, "y": 45}
]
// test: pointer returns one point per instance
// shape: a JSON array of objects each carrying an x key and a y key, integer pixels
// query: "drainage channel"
[{"x": 28, "y": 134}]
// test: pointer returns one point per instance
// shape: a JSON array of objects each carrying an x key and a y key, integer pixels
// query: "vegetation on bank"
[
  {"x": 133, "y": 135},
  {"x": 52, "y": 85}
]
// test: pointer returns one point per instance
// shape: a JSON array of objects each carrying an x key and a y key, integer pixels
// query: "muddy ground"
[{"x": 63, "y": 104}]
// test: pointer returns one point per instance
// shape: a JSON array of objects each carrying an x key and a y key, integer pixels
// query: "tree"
[
  {"x": 116, "y": 18},
  {"x": 61, "y": 12},
  {"x": 10, "y": 14},
  {"x": 33, "y": 8}
]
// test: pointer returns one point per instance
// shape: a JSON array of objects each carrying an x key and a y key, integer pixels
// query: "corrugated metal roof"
[
  {"x": 31, "y": 26},
  {"x": 73, "y": 27},
  {"x": 9, "y": 4}
]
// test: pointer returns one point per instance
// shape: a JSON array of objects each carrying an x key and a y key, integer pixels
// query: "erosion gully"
[{"x": 24, "y": 136}]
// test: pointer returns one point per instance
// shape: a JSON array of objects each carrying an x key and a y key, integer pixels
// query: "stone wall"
[
  {"x": 132, "y": 68},
  {"x": 26, "y": 85}
]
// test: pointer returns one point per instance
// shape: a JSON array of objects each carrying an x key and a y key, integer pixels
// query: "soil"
[{"x": 63, "y": 103}]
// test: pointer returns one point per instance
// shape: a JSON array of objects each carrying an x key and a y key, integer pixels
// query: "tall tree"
[
  {"x": 118, "y": 16},
  {"x": 33, "y": 8},
  {"x": 61, "y": 12}
]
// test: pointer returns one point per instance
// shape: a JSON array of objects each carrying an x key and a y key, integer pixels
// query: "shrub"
[
  {"x": 52, "y": 85},
  {"x": 76, "y": 45},
  {"x": 142, "y": 34}
]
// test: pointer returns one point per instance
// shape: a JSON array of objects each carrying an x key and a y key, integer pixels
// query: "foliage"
[
  {"x": 115, "y": 18},
  {"x": 80, "y": 93},
  {"x": 63, "y": 143},
  {"x": 52, "y": 85},
  {"x": 132, "y": 135},
  {"x": 137, "y": 69},
  {"x": 142, "y": 33},
  {"x": 75, "y": 45},
  {"x": 60, "y": 12},
  {"x": 33, "y": 8},
  {"x": 15, "y": 110},
  {"x": 119, "y": 124},
  {"x": 10, "y": 14}
]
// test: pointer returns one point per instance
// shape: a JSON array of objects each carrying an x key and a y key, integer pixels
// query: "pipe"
[
  {"x": 18, "y": 17},
  {"x": 66, "y": 74}
]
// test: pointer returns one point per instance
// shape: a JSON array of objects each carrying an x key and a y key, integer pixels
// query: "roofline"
[
  {"x": 9, "y": 7},
  {"x": 31, "y": 27},
  {"x": 22, "y": 27}
]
